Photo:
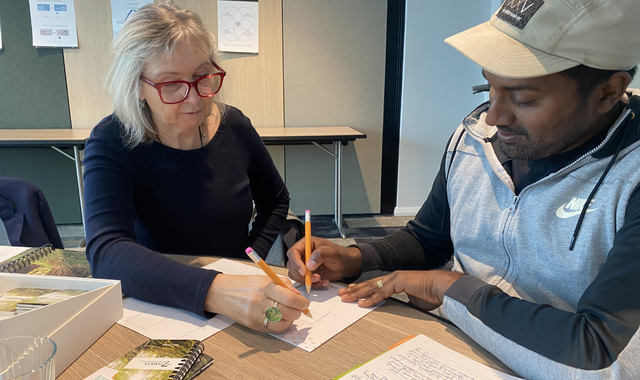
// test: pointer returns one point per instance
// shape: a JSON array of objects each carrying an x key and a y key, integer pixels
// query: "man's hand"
[
  {"x": 328, "y": 262},
  {"x": 428, "y": 286}
]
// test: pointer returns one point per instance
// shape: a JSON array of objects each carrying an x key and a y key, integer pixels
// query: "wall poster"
[
  {"x": 53, "y": 23},
  {"x": 238, "y": 26}
]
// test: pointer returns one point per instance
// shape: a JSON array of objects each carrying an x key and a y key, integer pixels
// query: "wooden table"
[
  {"x": 241, "y": 353},
  {"x": 56, "y": 139},
  {"x": 76, "y": 139}
]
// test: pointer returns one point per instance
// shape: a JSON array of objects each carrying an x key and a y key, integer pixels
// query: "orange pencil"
[
  {"x": 269, "y": 272},
  {"x": 307, "y": 248}
]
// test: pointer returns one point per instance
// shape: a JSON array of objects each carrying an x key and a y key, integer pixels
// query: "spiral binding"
[
  {"x": 186, "y": 364},
  {"x": 27, "y": 259}
]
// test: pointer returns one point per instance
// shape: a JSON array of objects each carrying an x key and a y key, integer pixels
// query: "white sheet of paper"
[
  {"x": 238, "y": 26},
  {"x": 53, "y": 23},
  {"x": 162, "y": 322},
  {"x": 104, "y": 373},
  {"x": 7, "y": 252},
  {"x": 330, "y": 315},
  {"x": 423, "y": 358}
]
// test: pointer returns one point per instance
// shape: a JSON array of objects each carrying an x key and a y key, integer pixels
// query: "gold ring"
[{"x": 379, "y": 283}]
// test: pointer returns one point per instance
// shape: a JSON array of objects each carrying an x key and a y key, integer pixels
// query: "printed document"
[{"x": 422, "y": 358}]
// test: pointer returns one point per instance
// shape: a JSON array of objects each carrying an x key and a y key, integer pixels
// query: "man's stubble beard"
[{"x": 547, "y": 146}]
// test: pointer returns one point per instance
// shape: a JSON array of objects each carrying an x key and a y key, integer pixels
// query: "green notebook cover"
[
  {"x": 48, "y": 261},
  {"x": 159, "y": 360},
  {"x": 200, "y": 364}
]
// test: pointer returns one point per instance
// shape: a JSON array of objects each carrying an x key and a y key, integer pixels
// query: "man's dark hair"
[{"x": 588, "y": 78}]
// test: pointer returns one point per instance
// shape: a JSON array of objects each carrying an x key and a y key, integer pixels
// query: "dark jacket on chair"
[{"x": 26, "y": 215}]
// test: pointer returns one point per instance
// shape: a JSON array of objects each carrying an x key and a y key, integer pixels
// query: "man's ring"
[
  {"x": 272, "y": 314},
  {"x": 379, "y": 283}
]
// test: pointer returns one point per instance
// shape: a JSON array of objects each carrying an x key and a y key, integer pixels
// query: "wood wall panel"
[{"x": 86, "y": 66}]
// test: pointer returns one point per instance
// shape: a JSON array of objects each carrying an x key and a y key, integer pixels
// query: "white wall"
[
  {"x": 436, "y": 91},
  {"x": 334, "y": 59}
]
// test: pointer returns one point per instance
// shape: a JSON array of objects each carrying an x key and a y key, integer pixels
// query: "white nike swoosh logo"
[{"x": 560, "y": 213}]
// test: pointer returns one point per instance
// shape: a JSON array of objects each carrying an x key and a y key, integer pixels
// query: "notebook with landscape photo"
[
  {"x": 162, "y": 359},
  {"x": 44, "y": 260},
  {"x": 111, "y": 370}
]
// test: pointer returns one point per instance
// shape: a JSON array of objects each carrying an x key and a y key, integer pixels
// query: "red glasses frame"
[{"x": 158, "y": 86}]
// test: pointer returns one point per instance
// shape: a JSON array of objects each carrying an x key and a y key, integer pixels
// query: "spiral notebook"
[
  {"x": 162, "y": 359},
  {"x": 44, "y": 260},
  {"x": 111, "y": 370}
]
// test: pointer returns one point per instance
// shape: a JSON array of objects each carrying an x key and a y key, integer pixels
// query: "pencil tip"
[
  {"x": 308, "y": 286},
  {"x": 308, "y": 314}
]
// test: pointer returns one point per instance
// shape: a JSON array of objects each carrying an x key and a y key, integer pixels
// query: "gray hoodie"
[{"x": 546, "y": 311}]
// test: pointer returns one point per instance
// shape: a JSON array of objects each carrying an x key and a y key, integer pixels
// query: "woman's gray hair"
[{"x": 149, "y": 35}]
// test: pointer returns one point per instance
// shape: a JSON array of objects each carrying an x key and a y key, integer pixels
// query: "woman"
[{"x": 174, "y": 171}]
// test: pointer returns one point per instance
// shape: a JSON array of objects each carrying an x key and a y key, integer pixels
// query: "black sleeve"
[
  {"x": 424, "y": 243},
  {"x": 112, "y": 249}
]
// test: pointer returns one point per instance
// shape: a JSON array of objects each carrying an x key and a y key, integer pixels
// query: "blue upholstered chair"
[{"x": 25, "y": 215}]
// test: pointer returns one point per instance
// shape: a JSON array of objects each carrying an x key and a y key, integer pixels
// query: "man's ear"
[{"x": 611, "y": 91}]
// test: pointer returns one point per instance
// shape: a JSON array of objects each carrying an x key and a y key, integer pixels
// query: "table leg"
[
  {"x": 337, "y": 148},
  {"x": 78, "y": 154},
  {"x": 337, "y": 172}
]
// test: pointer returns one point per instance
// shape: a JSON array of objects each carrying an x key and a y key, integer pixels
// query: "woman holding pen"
[{"x": 174, "y": 170}]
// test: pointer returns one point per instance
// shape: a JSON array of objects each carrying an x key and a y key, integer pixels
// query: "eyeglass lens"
[{"x": 176, "y": 92}]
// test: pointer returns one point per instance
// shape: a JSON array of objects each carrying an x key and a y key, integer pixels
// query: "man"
[{"x": 537, "y": 202}]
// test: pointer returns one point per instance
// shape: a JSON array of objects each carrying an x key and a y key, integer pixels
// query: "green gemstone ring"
[{"x": 273, "y": 313}]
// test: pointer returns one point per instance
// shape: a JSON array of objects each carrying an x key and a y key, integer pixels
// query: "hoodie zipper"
[{"x": 487, "y": 147}]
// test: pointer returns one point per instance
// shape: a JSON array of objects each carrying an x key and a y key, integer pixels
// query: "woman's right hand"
[
  {"x": 328, "y": 262},
  {"x": 246, "y": 298}
]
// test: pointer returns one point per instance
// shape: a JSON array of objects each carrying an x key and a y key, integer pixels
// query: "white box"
[{"x": 74, "y": 324}]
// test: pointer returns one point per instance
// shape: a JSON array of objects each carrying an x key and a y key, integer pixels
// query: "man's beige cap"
[{"x": 532, "y": 38}]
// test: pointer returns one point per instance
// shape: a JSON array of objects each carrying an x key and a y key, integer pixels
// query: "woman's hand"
[
  {"x": 425, "y": 288},
  {"x": 245, "y": 299},
  {"x": 328, "y": 262}
]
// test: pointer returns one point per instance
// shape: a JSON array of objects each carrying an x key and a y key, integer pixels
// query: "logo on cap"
[{"x": 519, "y": 12}]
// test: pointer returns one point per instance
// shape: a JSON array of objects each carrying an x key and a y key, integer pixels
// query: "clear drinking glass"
[{"x": 27, "y": 358}]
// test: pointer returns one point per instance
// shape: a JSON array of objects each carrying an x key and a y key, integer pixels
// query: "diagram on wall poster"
[
  {"x": 53, "y": 23},
  {"x": 238, "y": 26}
]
